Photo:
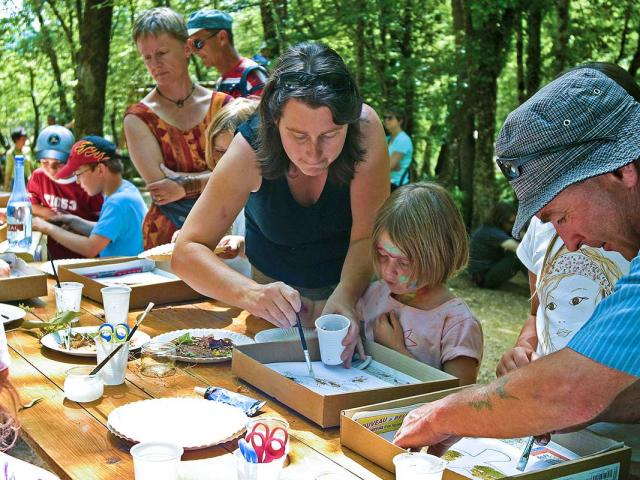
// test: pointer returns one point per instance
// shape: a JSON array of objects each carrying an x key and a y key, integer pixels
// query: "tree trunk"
[
  {"x": 561, "y": 45},
  {"x": 534, "y": 60},
  {"x": 625, "y": 31},
  {"x": 269, "y": 28},
  {"x": 47, "y": 46},
  {"x": 93, "y": 60},
  {"x": 635, "y": 61},
  {"x": 409, "y": 74},
  {"x": 34, "y": 104},
  {"x": 522, "y": 92},
  {"x": 360, "y": 45}
]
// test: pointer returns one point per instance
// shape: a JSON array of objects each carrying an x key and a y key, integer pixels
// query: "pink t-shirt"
[{"x": 431, "y": 336}]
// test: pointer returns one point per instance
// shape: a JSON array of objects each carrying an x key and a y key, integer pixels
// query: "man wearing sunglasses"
[
  {"x": 572, "y": 155},
  {"x": 211, "y": 38}
]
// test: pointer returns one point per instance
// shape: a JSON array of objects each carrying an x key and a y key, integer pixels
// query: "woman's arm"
[
  {"x": 369, "y": 190},
  {"x": 235, "y": 177},
  {"x": 395, "y": 161}
]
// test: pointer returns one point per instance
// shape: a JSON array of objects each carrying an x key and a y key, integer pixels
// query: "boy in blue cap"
[{"x": 211, "y": 38}]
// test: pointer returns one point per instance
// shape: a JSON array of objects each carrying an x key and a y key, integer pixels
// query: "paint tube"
[{"x": 250, "y": 406}]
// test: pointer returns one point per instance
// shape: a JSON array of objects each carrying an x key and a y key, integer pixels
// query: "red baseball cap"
[{"x": 91, "y": 149}]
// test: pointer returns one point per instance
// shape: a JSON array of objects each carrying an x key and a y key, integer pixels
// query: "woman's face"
[
  {"x": 165, "y": 57},
  {"x": 310, "y": 137}
]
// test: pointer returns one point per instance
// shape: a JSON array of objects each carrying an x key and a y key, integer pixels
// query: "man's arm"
[{"x": 553, "y": 393}]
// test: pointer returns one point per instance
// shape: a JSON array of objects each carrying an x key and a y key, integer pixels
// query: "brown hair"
[
  {"x": 227, "y": 119},
  {"x": 423, "y": 221}
]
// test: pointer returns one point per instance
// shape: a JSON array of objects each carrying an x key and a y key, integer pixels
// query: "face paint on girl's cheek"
[{"x": 403, "y": 278}]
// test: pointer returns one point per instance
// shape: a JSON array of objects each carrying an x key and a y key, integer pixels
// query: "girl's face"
[
  {"x": 220, "y": 144},
  {"x": 310, "y": 137},
  {"x": 165, "y": 57},
  {"x": 394, "y": 266}
]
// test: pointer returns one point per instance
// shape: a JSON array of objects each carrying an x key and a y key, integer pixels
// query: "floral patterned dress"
[{"x": 182, "y": 151}]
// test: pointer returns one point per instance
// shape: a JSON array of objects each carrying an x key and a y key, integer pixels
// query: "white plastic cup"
[
  {"x": 418, "y": 466},
  {"x": 332, "y": 329},
  {"x": 156, "y": 460},
  {"x": 257, "y": 471},
  {"x": 115, "y": 301},
  {"x": 68, "y": 296},
  {"x": 115, "y": 371},
  {"x": 81, "y": 386}
]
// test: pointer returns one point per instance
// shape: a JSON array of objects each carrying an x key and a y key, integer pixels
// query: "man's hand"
[
  {"x": 387, "y": 330},
  {"x": 418, "y": 431},
  {"x": 165, "y": 191},
  {"x": 516, "y": 357}
]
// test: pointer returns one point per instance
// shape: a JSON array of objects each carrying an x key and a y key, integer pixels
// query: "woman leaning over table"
[
  {"x": 312, "y": 169},
  {"x": 166, "y": 130}
]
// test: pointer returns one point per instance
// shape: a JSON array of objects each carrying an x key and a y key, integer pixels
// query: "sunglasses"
[
  {"x": 198, "y": 44},
  {"x": 295, "y": 80},
  {"x": 511, "y": 167}
]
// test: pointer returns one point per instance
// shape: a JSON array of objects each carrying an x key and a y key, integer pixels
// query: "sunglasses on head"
[
  {"x": 198, "y": 43},
  {"x": 295, "y": 80},
  {"x": 511, "y": 167}
]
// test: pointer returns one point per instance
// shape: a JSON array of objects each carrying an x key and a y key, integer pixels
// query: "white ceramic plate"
[
  {"x": 284, "y": 334},
  {"x": 189, "y": 422},
  {"x": 217, "y": 333},
  {"x": 54, "y": 339},
  {"x": 9, "y": 313}
]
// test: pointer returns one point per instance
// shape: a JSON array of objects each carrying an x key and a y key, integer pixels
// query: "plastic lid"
[{"x": 200, "y": 390}]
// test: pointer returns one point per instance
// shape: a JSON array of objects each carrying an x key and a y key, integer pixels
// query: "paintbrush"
[
  {"x": 117, "y": 349},
  {"x": 524, "y": 459},
  {"x": 304, "y": 346}
]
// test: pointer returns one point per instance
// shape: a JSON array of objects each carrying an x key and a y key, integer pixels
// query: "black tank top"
[{"x": 301, "y": 246}]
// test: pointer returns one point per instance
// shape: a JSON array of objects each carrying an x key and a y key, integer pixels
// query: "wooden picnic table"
[{"x": 74, "y": 440}]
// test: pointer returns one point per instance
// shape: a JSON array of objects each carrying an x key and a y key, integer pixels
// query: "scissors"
[
  {"x": 117, "y": 333},
  {"x": 266, "y": 444}
]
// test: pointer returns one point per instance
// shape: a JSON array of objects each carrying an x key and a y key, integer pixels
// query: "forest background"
[{"x": 456, "y": 67}]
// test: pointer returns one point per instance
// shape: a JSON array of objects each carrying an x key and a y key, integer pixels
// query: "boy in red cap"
[{"x": 97, "y": 167}]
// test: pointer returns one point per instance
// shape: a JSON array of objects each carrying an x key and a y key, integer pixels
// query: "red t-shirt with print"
[
  {"x": 62, "y": 196},
  {"x": 229, "y": 82}
]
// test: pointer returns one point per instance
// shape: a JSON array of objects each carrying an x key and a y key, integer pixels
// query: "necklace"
[{"x": 180, "y": 102}]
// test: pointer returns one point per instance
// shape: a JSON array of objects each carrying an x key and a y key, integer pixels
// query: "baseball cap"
[
  {"x": 209, "y": 19},
  {"x": 91, "y": 149},
  {"x": 581, "y": 125},
  {"x": 55, "y": 142}
]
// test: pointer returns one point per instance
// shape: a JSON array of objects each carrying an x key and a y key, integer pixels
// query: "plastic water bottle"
[{"x": 19, "y": 211}]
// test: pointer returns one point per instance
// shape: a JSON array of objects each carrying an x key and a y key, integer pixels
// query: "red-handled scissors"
[{"x": 268, "y": 444}]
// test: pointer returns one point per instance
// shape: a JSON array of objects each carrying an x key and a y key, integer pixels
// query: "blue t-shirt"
[
  {"x": 401, "y": 144},
  {"x": 121, "y": 221},
  {"x": 612, "y": 335}
]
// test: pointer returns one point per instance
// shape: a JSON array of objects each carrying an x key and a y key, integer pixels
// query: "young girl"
[{"x": 419, "y": 242}]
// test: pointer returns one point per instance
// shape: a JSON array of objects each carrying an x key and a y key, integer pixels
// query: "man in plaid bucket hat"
[{"x": 572, "y": 155}]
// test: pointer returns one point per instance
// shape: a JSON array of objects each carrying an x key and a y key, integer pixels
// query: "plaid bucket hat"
[{"x": 581, "y": 125}]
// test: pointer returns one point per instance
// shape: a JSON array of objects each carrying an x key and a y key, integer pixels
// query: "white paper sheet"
[
  {"x": 142, "y": 278},
  {"x": 329, "y": 380}
]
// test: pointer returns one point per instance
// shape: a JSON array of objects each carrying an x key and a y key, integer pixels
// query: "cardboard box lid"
[
  {"x": 33, "y": 283},
  {"x": 172, "y": 291},
  {"x": 597, "y": 450},
  {"x": 248, "y": 363}
]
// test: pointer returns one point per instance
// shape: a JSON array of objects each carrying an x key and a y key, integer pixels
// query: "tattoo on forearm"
[{"x": 485, "y": 401}]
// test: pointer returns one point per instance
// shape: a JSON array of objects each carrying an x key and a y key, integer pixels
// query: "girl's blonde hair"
[
  {"x": 228, "y": 119},
  {"x": 422, "y": 220}
]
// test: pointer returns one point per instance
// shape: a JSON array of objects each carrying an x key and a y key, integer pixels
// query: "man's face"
[
  {"x": 210, "y": 46},
  {"x": 596, "y": 213}
]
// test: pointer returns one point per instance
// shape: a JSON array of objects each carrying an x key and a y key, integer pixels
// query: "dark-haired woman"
[{"x": 313, "y": 170}]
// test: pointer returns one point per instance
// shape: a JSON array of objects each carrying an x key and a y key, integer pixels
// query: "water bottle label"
[{"x": 15, "y": 227}]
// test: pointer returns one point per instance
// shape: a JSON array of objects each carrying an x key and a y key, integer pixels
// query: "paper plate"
[
  {"x": 191, "y": 423},
  {"x": 54, "y": 339},
  {"x": 236, "y": 338},
  {"x": 284, "y": 334},
  {"x": 9, "y": 313}
]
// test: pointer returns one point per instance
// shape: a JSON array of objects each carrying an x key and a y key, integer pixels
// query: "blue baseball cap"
[
  {"x": 209, "y": 19},
  {"x": 55, "y": 142}
]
